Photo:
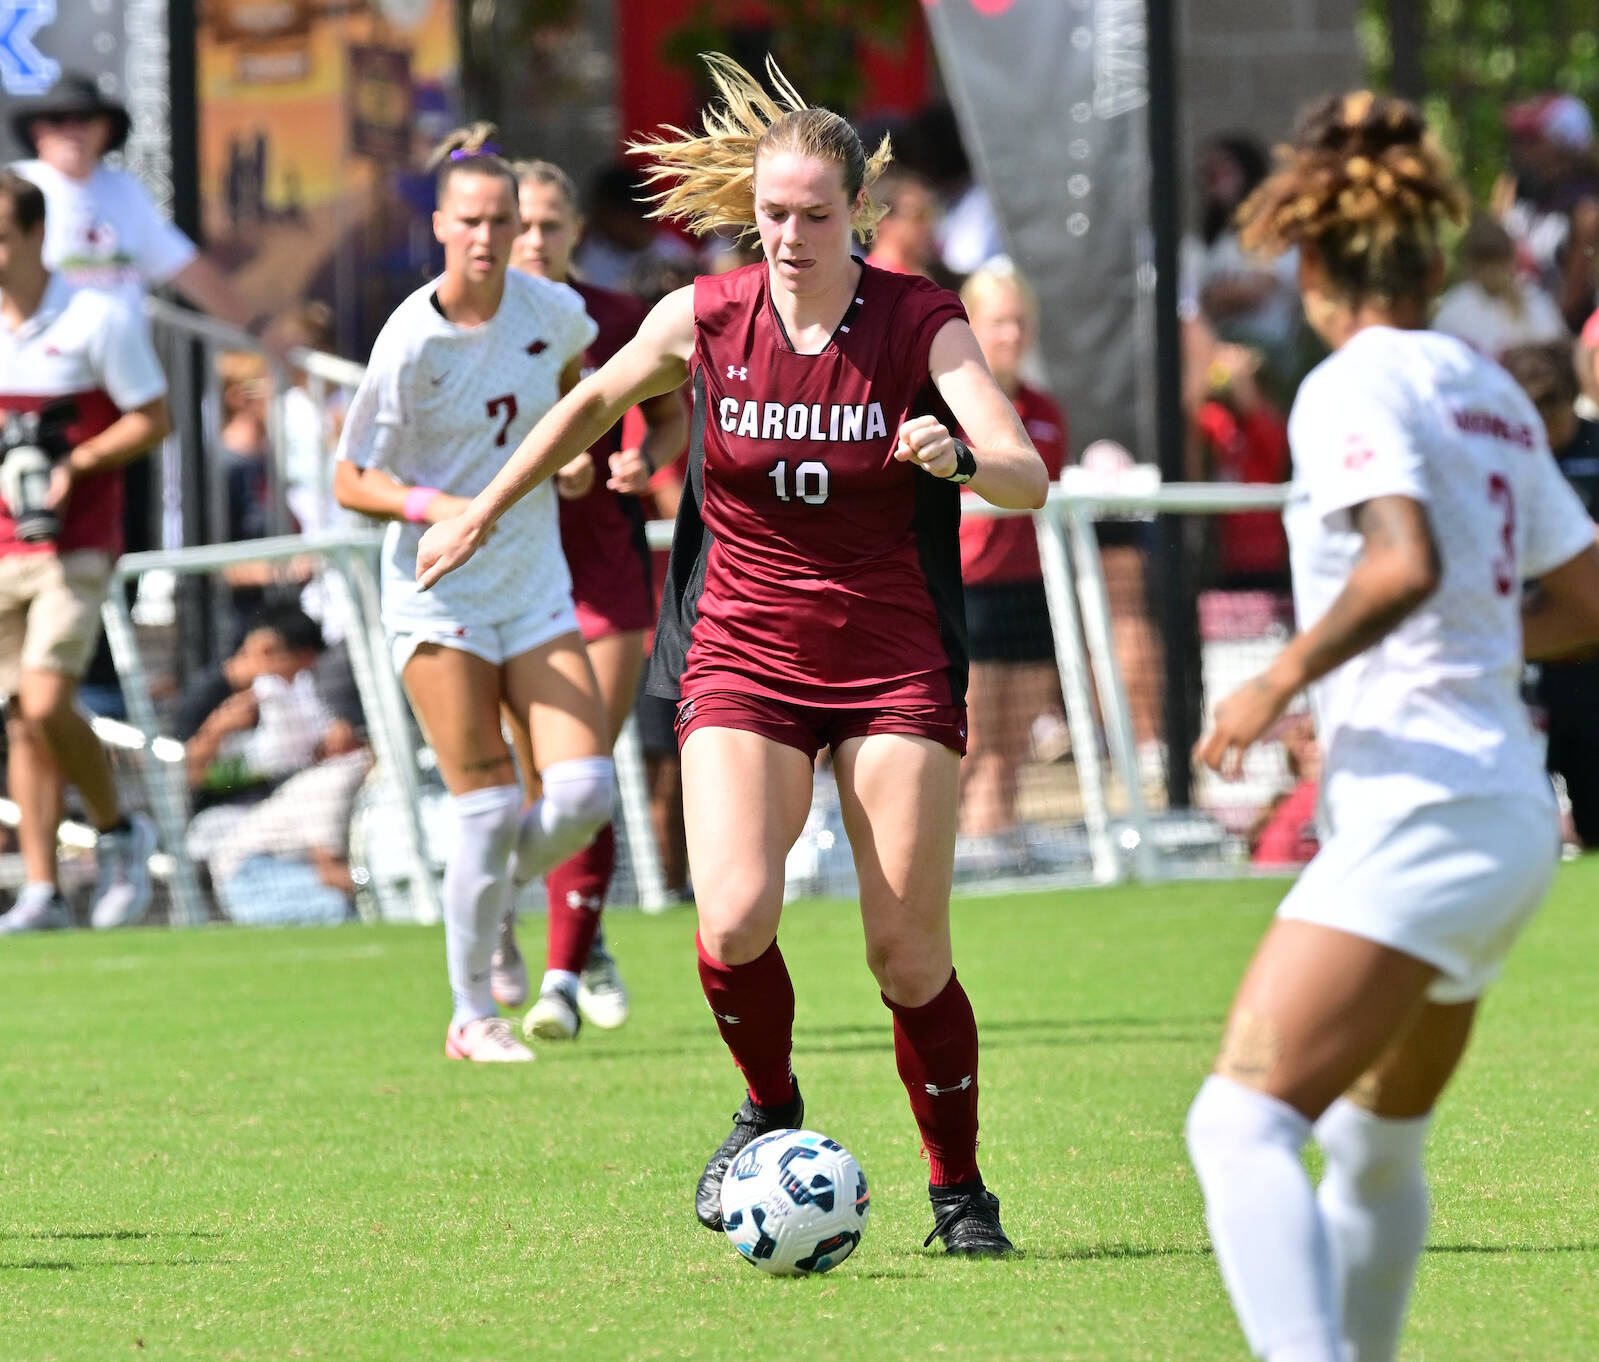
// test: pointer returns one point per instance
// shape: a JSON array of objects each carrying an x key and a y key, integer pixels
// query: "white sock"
[
  {"x": 575, "y": 805},
  {"x": 559, "y": 981},
  {"x": 477, "y": 893},
  {"x": 1373, "y": 1200},
  {"x": 1264, "y": 1225}
]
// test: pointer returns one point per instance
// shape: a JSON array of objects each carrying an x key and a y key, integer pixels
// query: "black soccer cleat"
[
  {"x": 749, "y": 1125},
  {"x": 966, "y": 1218}
]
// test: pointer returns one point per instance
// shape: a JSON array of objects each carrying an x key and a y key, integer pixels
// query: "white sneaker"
[
  {"x": 508, "y": 970},
  {"x": 122, "y": 886},
  {"x": 553, "y": 1017},
  {"x": 488, "y": 1040},
  {"x": 37, "y": 909},
  {"x": 601, "y": 995}
]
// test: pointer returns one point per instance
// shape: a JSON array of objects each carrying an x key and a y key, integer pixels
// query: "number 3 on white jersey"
[{"x": 810, "y": 481}]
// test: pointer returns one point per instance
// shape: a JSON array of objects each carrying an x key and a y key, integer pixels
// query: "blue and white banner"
[
  {"x": 121, "y": 43},
  {"x": 24, "y": 68}
]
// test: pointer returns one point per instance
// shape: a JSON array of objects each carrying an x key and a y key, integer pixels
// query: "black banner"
[{"x": 1051, "y": 97}]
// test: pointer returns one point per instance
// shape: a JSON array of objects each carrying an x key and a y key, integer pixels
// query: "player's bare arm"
[
  {"x": 655, "y": 361},
  {"x": 1009, "y": 471},
  {"x": 1397, "y": 571},
  {"x": 373, "y": 492},
  {"x": 1561, "y": 617}
]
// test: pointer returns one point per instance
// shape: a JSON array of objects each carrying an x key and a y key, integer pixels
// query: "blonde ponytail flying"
[{"x": 710, "y": 179}]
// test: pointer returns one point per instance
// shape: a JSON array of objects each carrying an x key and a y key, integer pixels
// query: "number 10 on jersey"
[{"x": 810, "y": 481}]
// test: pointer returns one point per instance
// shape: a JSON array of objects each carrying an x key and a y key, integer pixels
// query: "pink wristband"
[{"x": 417, "y": 501}]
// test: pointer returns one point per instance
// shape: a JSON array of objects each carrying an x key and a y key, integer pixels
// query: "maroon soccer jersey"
[
  {"x": 809, "y": 565},
  {"x": 602, "y": 532}
]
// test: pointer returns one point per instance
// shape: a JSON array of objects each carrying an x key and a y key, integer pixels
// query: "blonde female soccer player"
[
  {"x": 814, "y": 597},
  {"x": 458, "y": 376},
  {"x": 1426, "y": 495}
]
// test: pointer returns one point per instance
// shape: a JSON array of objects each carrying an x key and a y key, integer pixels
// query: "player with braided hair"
[
  {"x": 814, "y": 595},
  {"x": 1425, "y": 496}
]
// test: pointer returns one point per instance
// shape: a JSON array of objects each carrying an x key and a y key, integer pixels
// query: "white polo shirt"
[
  {"x": 87, "y": 346},
  {"x": 106, "y": 232}
]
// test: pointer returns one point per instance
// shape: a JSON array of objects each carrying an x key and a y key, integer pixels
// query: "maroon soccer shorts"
[
  {"x": 612, "y": 594},
  {"x": 809, "y": 728}
]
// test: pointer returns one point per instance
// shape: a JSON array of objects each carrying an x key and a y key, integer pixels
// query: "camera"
[{"x": 30, "y": 444}]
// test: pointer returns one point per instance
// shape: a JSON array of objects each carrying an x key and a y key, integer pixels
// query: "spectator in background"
[
  {"x": 310, "y": 428},
  {"x": 1567, "y": 691},
  {"x": 83, "y": 356},
  {"x": 1286, "y": 833},
  {"x": 1492, "y": 307},
  {"x": 244, "y": 459},
  {"x": 968, "y": 230},
  {"x": 1550, "y": 201},
  {"x": 1012, "y": 650},
  {"x": 243, "y": 450},
  {"x": 103, "y": 228},
  {"x": 1242, "y": 298},
  {"x": 617, "y": 234},
  {"x": 1243, "y": 438},
  {"x": 274, "y": 776},
  {"x": 907, "y": 237}
]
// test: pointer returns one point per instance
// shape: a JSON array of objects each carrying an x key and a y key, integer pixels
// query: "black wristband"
[{"x": 965, "y": 464}]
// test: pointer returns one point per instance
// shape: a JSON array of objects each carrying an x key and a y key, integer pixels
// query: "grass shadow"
[
  {"x": 1508, "y": 1250},
  {"x": 1098, "y": 1253},
  {"x": 111, "y": 1234}
]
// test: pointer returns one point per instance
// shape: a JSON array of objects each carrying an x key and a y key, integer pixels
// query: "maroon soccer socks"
[
  {"x": 576, "y": 890},
  {"x": 935, "y": 1047},
  {"x": 754, "y": 1009}
]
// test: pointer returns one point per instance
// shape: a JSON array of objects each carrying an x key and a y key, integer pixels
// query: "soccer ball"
[{"x": 794, "y": 1202}]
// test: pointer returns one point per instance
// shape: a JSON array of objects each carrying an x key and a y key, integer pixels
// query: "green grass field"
[{"x": 248, "y": 1145}]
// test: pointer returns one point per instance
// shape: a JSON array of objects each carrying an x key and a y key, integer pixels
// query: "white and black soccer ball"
[{"x": 795, "y": 1202}]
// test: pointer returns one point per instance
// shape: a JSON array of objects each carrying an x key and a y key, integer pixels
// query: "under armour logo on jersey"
[
  {"x": 537, "y": 347},
  {"x": 933, "y": 1090},
  {"x": 24, "y": 70},
  {"x": 738, "y": 371}
]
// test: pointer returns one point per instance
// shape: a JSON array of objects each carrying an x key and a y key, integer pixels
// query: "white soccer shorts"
[
  {"x": 1451, "y": 883},
  {"x": 495, "y": 643}
]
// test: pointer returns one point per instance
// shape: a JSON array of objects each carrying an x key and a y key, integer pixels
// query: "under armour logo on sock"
[
  {"x": 577, "y": 899},
  {"x": 933, "y": 1090},
  {"x": 722, "y": 1017}
]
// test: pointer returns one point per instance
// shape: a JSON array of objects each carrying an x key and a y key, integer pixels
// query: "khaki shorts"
[{"x": 50, "y": 612}]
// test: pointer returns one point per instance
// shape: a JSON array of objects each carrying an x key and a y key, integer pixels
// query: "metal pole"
[
  {"x": 1177, "y": 612},
  {"x": 1072, "y": 665}
]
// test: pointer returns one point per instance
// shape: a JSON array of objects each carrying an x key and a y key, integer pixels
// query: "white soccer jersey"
[
  {"x": 445, "y": 406},
  {"x": 1432, "y": 712}
]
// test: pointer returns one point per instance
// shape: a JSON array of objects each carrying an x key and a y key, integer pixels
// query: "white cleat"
[
  {"x": 122, "y": 884},
  {"x": 553, "y": 1017},
  {"x": 601, "y": 995},
  {"x": 508, "y": 970},
  {"x": 37, "y": 909},
  {"x": 488, "y": 1040}
]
